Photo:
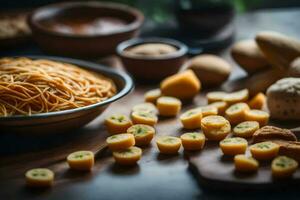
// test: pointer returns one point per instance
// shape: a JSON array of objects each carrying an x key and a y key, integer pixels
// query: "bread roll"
[
  {"x": 280, "y": 50},
  {"x": 210, "y": 69},
  {"x": 283, "y": 99},
  {"x": 247, "y": 54}
]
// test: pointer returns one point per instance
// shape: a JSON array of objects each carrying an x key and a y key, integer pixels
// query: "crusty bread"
[
  {"x": 247, "y": 54},
  {"x": 289, "y": 148},
  {"x": 210, "y": 69},
  {"x": 283, "y": 99},
  {"x": 280, "y": 50},
  {"x": 267, "y": 133}
]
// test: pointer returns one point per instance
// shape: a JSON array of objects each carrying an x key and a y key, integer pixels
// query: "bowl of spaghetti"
[{"x": 40, "y": 94}]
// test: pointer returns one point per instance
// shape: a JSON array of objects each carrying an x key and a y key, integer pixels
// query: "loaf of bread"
[
  {"x": 247, "y": 54},
  {"x": 280, "y": 50},
  {"x": 210, "y": 69},
  {"x": 283, "y": 99}
]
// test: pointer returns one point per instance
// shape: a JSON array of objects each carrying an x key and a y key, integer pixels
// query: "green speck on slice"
[
  {"x": 263, "y": 146},
  {"x": 169, "y": 140}
]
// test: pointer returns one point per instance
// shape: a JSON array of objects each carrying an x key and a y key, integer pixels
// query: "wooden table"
[{"x": 156, "y": 176}]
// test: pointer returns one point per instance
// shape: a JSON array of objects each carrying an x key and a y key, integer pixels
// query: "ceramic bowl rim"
[
  {"x": 138, "y": 21},
  {"x": 182, "y": 48}
]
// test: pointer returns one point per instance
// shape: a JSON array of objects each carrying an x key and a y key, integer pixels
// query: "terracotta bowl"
[
  {"x": 45, "y": 20},
  {"x": 63, "y": 121},
  {"x": 152, "y": 69}
]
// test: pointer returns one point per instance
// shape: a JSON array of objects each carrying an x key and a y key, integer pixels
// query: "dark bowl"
[
  {"x": 203, "y": 19},
  {"x": 152, "y": 69},
  {"x": 83, "y": 45},
  {"x": 63, "y": 121}
]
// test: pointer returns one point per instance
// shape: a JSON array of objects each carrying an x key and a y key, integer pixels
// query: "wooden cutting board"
[{"x": 216, "y": 170}]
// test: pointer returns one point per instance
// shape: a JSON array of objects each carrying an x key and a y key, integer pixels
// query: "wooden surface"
[
  {"x": 212, "y": 168},
  {"x": 156, "y": 176}
]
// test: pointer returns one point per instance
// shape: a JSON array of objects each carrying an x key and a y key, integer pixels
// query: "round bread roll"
[
  {"x": 210, "y": 69},
  {"x": 151, "y": 49},
  {"x": 247, "y": 54},
  {"x": 279, "y": 49},
  {"x": 294, "y": 69},
  {"x": 283, "y": 99}
]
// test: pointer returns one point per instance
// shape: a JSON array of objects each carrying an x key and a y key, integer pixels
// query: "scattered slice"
[
  {"x": 217, "y": 134},
  {"x": 264, "y": 150},
  {"x": 236, "y": 97},
  {"x": 283, "y": 167},
  {"x": 117, "y": 123},
  {"x": 152, "y": 95},
  {"x": 215, "y": 96},
  {"x": 213, "y": 121},
  {"x": 258, "y": 101},
  {"x": 233, "y": 146},
  {"x": 246, "y": 129},
  {"x": 260, "y": 116},
  {"x": 143, "y": 117},
  {"x": 128, "y": 156},
  {"x": 39, "y": 177},
  {"x": 236, "y": 113},
  {"x": 191, "y": 119},
  {"x": 243, "y": 163},
  {"x": 143, "y": 134},
  {"x": 120, "y": 141},
  {"x": 208, "y": 110},
  {"x": 193, "y": 141},
  {"x": 145, "y": 107},
  {"x": 184, "y": 85},
  {"x": 220, "y": 105},
  {"x": 168, "y": 106},
  {"x": 81, "y": 160},
  {"x": 168, "y": 144}
]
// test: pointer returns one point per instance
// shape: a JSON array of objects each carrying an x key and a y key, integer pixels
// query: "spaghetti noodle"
[{"x": 30, "y": 87}]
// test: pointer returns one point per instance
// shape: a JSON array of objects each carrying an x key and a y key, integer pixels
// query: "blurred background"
[{"x": 204, "y": 25}]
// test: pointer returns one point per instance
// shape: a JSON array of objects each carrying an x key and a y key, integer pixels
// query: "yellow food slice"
[
  {"x": 184, "y": 85},
  {"x": 236, "y": 97},
  {"x": 117, "y": 123},
  {"x": 120, "y": 141},
  {"x": 213, "y": 121},
  {"x": 81, "y": 160},
  {"x": 143, "y": 134},
  {"x": 191, "y": 119},
  {"x": 245, "y": 129},
  {"x": 193, "y": 141},
  {"x": 142, "y": 117},
  {"x": 258, "y": 101},
  {"x": 260, "y": 116},
  {"x": 233, "y": 146},
  {"x": 152, "y": 95},
  {"x": 128, "y": 156},
  {"x": 264, "y": 150},
  {"x": 215, "y": 96},
  {"x": 216, "y": 134},
  {"x": 39, "y": 177},
  {"x": 145, "y": 107},
  {"x": 243, "y": 163},
  {"x": 283, "y": 167},
  {"x": 168, "y": 106},
  {"x": 236, "y": 113},
  {"x": 208, "y": 110},
  {"x": 221, "y": 106},
  {"x": 168, "y": 144}
]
